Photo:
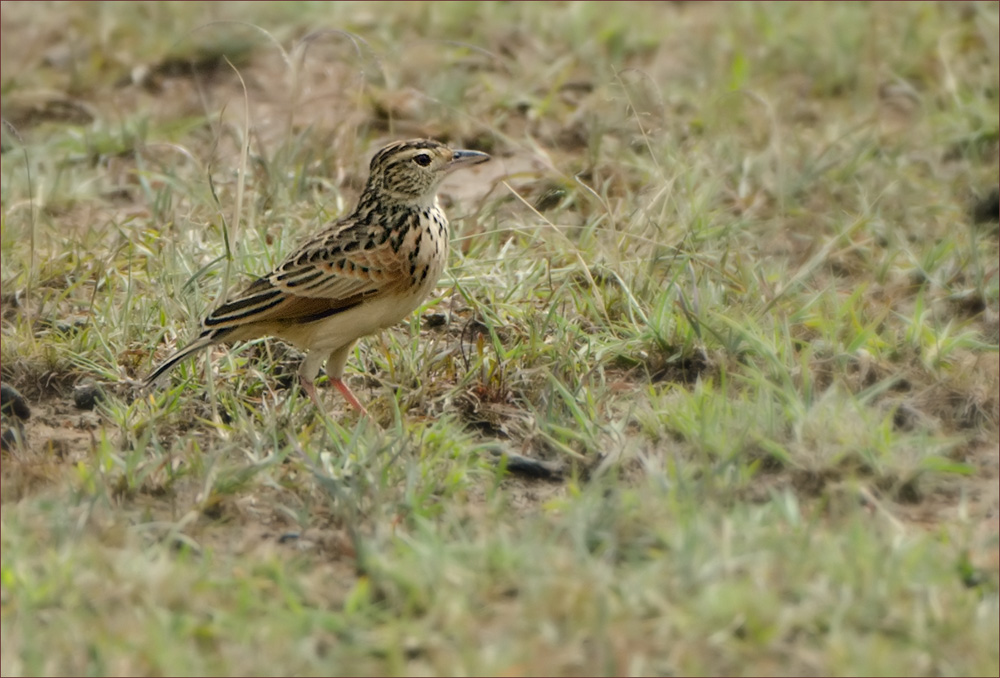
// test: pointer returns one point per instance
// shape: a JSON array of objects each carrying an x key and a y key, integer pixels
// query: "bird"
[{"x": 360, "y": 274}]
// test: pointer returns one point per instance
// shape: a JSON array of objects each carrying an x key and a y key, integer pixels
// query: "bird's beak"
[{"x": 466, "y": 159}]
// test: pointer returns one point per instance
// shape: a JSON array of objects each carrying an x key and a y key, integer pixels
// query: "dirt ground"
[{"x": 339, "y": 98}]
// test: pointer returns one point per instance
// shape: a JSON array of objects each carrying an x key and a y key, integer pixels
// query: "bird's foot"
[
  {"x": 310, "y": 389},
  {"x": 349, "y": 396}
]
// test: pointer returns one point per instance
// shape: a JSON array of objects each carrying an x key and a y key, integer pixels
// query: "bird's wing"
[{"x": 343, "y": 266}]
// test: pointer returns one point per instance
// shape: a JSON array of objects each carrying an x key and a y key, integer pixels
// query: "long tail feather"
[{"x": 206, "y": 339}]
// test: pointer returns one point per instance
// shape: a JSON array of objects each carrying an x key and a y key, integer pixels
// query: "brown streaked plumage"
[{"x": 365, "y": 272}]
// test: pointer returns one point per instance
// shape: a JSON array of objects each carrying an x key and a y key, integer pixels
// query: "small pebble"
[
  {"x": 436, "y": 319},
  {"x": 86, "y": 395},
  {"x": 526, "y": 466},
  {"x": 987, "y": 208},
  {"x": 12, "y": 437},
  {"x": 13, "y": 403}
]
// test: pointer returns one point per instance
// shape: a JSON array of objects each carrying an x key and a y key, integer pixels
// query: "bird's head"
[{"x": 410, "y": 171}]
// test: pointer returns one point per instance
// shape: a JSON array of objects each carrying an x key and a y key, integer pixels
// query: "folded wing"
[{"x": 321, "y": 279}]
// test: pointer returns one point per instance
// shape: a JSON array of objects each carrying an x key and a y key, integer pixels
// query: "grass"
[{"x": 721, "y": 276}]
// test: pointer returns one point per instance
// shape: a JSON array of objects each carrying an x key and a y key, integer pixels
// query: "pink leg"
[
  {"x": 355, "y": 403},
  {"x": 310, "y": 389}
]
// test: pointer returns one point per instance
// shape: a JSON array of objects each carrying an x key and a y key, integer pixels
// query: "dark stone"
[
  {"x": 987, "y": 208},
  {"x": 86, "y": 396},
  {"x": 12, "y": 437},
  {"x": 526, "y": 466},
  {"x": 436, "y": 320},
  {"x": 13, "y": 403}
]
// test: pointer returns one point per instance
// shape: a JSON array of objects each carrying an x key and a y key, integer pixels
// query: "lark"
[{"x": 361, "y": 274}]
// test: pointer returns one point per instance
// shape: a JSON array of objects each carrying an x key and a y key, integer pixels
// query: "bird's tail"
[{"x": 207, "y": 338}]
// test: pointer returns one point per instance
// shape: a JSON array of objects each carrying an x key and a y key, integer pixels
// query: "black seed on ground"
[
  {"x": 86, "y": 396},
  {"x": 13, "y": 403},
  {"x": 12, "y": 437},
  {"x": 435, "y": 320},
  {"x": 532, "y": 468},
  {"x": 987, "y": 208}
]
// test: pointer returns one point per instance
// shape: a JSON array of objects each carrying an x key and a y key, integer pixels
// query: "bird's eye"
[{"x": 422, "y": 159}]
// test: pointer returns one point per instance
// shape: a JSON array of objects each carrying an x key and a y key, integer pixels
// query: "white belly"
[{"x": 342, "y": 329}]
